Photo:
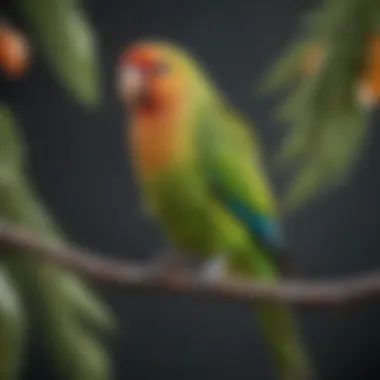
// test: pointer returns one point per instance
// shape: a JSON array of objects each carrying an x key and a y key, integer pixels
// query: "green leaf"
[
  {"x": 58, "y": 303},
  {"x": 287, "y": 67},
  {"x": 67, "y": 40},
  {"x": 12, "y": 327},
  {"x": 326, "y": 125},
  {"x": 11, "y": 147},
  {"x": 84, "y": 301}
]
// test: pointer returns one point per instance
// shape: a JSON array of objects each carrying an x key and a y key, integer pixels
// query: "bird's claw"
[{"x": 213, "y": 270}]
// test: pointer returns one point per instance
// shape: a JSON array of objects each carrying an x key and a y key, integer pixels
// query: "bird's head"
[{"x": 155, "y": 74}]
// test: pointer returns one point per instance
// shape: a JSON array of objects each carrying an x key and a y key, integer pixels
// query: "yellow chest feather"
[{"x": 155, "y": 142}]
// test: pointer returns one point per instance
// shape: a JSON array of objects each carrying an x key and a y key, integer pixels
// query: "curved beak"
[{"x": 132, "y": 85}]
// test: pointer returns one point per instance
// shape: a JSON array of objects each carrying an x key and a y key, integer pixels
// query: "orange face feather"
[{"x": 152, "y": 86}]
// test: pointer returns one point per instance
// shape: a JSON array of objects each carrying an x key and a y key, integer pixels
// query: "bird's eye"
[{"x": 161, "y": 67}]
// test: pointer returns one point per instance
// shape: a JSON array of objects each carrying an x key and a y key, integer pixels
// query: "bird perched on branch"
[{"x": 198, "y": 167}]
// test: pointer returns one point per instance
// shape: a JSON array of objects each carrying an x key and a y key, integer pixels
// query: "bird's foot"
[{"x": 214, "y": 269}]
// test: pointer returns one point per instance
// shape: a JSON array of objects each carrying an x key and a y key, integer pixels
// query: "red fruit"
[{"x": 14, "y": 51}]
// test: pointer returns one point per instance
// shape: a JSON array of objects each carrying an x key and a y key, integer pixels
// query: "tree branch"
[{"x": 90, "y": 264}]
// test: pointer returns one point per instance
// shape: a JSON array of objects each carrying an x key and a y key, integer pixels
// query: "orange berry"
[
  {"x": 371, "y": 72},
  {"x": 369, "y": 80},
  {"x": 14, "y": 51},
  {"x": 312, "y": 59}
]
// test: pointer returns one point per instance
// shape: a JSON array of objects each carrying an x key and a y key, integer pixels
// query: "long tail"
[
  {"x": 277, "y": 324},
  {"x": 281, "y": 333}
]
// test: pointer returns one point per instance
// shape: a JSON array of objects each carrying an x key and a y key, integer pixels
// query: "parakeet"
[{"x": 197, "y": 164}]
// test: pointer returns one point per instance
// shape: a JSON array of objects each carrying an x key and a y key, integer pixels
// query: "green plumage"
[{"x": 216, "y": 199}]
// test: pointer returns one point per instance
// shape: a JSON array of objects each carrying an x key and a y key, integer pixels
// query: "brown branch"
[{"x": 137, "y": 277}]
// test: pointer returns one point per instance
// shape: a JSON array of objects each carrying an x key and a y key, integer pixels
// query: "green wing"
[{"x": 229, "y": 161}]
